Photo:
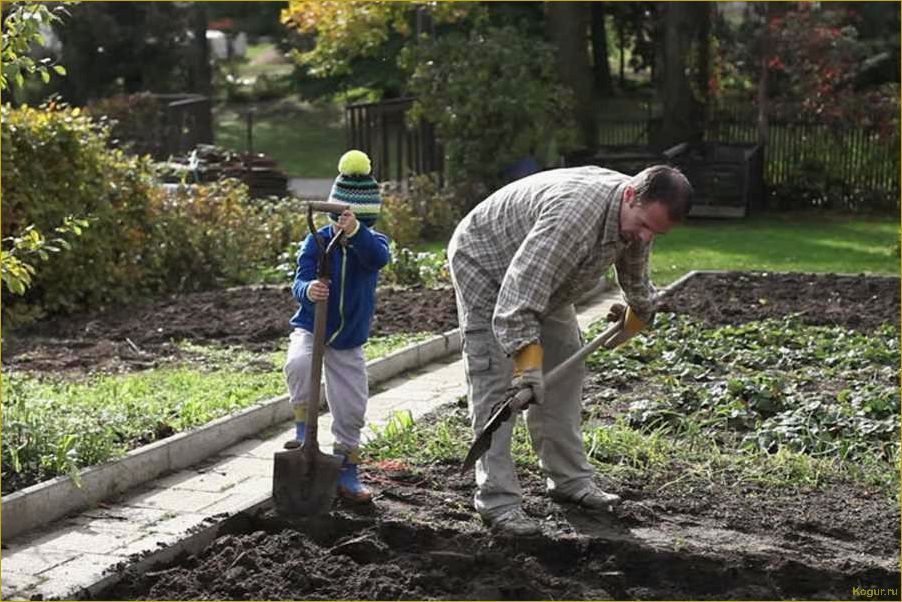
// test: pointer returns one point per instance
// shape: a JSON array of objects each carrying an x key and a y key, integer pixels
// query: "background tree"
[
  {"x": 521, "y": 109},
  {"x": 568, "y": 30},
  {"x": 356, "y": 44},
  {"x": 601, "y": 67},
  {"x": 128, "y": 47},
  {"x": 22, "y": 23},
  {"x": 683, "y": 46}
]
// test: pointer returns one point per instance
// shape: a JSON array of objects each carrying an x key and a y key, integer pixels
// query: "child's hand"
[
  {"x": 318, "y": 291},
  {"x": 347, "y": 222}
]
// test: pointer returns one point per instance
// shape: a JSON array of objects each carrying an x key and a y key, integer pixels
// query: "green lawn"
[
  {"x": 778, "y": 242},
  {"x": 791, "y": 242},
  {"x": 305, "y": 139},
  {"x": 264, "y": 59}
]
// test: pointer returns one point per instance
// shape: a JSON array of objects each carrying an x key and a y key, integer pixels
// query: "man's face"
[{"x": 642, "y": 222}]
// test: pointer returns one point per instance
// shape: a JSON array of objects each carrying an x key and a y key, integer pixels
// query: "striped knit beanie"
[{"x": 356, "y": 187}]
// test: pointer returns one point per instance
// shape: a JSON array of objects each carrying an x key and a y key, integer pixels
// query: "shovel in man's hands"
[{"x": 610, "y": 338}]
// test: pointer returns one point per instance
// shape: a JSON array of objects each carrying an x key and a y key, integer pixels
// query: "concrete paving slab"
[
  {"x": 64, "y": 580},
  {"x": 178, "y": 523},
  {"x": 28, "y": 559},
  {"x": 118, "y": 519},
  {"x": 77, "y": 538},
  {"x": 177, "y": 500}
]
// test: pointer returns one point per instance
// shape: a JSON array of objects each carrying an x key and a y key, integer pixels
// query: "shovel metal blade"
[{"x": 304, "y": 481}]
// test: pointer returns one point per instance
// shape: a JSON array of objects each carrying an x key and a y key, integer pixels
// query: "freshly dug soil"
[
  {"x": 422, "y": 539},
  {"x": 253, "y": 317},
  {"x": 856, "y": 302}
]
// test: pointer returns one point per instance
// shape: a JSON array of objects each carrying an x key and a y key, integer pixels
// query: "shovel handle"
[
  {"x": 311, "y": 443},
  {"x": 601, "y": 340},
  {"x": 327, "y": 206}
]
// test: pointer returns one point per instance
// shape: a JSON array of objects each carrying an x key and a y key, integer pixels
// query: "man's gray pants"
[{"x": 554, "y": 426}]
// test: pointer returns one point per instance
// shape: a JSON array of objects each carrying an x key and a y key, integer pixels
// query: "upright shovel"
[{"x": 304, "y": 479}]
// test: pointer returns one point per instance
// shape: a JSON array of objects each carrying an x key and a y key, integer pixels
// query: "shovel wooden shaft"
[
  {"x": 601, "y": 340},
  {"x": 311, "y": 441}
]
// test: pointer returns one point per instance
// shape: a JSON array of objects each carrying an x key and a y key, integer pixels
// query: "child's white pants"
[{"x": 346, "y": 385}]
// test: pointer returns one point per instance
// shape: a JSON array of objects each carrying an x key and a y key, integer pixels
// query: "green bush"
[
  {"x": 494, "y": 98},
  {"x": 409, "y": 268},
  {"x": 399, "y": 219},
  {"x": 437, "y": 207},
  {"x": 423, "y": 211},
  {"x": 136, "y": 121},
  {"x": 142, "y": 240},
  {"x": 56, "y": 163}
]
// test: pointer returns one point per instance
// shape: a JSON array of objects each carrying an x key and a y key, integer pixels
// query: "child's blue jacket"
[{"x": 352, "y": 291}]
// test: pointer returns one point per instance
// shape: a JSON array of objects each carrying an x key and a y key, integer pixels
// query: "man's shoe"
[
  {"x": 590, "y": 498},
  {"x": 514, "y": 522}
]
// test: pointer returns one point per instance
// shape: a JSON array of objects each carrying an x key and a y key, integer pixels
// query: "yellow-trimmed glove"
[
  {"x": 528, "y": 371},
  {"x": 630, "y": 323}
]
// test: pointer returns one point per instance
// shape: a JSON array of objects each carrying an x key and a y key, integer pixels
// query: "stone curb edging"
[{"x": 45, "y": 502}]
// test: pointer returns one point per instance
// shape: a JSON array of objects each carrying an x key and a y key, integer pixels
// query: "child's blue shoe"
[{"x": 349, "y": 485}]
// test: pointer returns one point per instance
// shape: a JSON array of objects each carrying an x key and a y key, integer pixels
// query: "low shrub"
[
  {"x": 409, "y": 268},
  {"x": 136, "y": 121},
  {"x": 143, "y": 240}
]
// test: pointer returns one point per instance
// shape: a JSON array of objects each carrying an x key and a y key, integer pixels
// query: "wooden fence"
[{"x": 396, "y": 149}]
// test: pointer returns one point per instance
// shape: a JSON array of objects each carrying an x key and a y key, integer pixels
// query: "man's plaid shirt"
[{"x": 540, "y": 243}]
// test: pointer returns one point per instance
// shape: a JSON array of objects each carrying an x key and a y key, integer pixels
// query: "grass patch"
[
  {"x": 264, "y": 59},
  {"x": 805, "y": 242},
  {"x": 52, "y": 426},
  {"x": 306, "y": 139}
]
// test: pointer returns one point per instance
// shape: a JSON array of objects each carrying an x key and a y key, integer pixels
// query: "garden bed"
[
  {"x": 694, "y": 525},
  {"x": 252, "y": 317}
]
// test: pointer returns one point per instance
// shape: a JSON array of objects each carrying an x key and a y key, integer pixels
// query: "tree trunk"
[
  {"x": 682, "y": 115},
  {"x": 762, "y": 81},
  {"x": 601, "y": 67},
  {"x": 200, "y": 75},
  {"x": 567, "y": 24}
]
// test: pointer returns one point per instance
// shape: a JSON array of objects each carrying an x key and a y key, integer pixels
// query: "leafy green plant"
[
  {"x": 17, "y": 259},
  {"x": 411, "y": 268},
  {"x": 22, "y": 28},
  {"x": 399, "y": 219}
]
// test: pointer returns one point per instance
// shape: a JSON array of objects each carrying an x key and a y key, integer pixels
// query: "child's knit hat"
[{"x": 356, "y": 187}]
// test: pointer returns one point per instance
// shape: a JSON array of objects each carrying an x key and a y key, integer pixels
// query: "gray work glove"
[{"x": 532, "y": 378}]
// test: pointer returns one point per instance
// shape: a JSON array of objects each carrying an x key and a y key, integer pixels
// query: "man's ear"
[{"x": 629, "y": 195}]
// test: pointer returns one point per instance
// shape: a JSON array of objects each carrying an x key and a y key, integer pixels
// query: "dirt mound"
[
  {"x": 857, "y": 302},
  {"x": 253, "y": 317},
  {"x": 422, "y": 541}
]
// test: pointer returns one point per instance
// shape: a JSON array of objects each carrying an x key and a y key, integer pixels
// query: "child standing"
[{"x": 356, "y": 262}]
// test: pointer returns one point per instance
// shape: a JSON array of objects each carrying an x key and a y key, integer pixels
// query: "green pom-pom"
[{"x": 354, "y": 163}]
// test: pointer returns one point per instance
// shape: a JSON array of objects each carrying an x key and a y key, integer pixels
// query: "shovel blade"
[{"x": 304, "y": 482}]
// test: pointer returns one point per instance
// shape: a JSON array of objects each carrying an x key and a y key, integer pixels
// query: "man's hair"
[{"x": 667, "y": 185}]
